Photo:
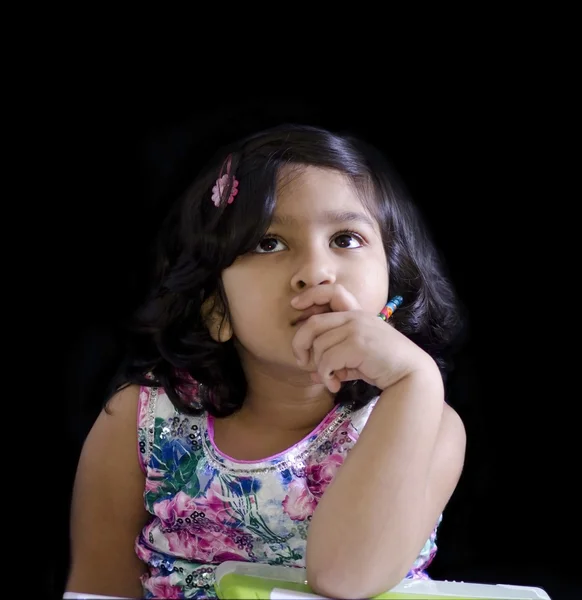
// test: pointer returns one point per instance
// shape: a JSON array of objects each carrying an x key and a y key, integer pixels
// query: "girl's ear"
[{"x": 216, "y": 319}]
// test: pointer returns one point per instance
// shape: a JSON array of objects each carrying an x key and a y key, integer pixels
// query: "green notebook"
[{"x": 239, "y": 580}]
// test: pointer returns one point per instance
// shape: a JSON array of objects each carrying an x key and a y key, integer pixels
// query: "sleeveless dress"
[{"x": 207, "y": 508}]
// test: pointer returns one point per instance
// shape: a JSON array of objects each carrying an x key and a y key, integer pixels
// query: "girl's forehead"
[{"x": 306, "y": 192}]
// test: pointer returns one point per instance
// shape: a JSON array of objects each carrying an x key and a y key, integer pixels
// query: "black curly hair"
[{"x": 169, "y": 344}]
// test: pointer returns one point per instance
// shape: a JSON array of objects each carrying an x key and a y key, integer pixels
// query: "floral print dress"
[{"x": 208, "y": 508}]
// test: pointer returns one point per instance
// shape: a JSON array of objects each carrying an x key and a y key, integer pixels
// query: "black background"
[{"x": 473, "y": 154}]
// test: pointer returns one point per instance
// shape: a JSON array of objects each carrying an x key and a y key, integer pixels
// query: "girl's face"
[{"x": 320, "y": 234}]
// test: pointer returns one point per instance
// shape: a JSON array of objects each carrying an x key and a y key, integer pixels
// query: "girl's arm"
[
  {"x": 107, "y": 508},
  {"x": 384, "y": 502}
]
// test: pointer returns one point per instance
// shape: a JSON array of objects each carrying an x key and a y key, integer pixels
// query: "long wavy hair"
[{"x": 168, "y": 343}]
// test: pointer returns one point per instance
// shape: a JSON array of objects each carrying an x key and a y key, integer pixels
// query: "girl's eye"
[
  {"x": 269, "y": 245},
  {"x": 348, "y": 241}
]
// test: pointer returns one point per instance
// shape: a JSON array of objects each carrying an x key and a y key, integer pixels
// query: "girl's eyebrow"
[{"x": 327, "y": 217}]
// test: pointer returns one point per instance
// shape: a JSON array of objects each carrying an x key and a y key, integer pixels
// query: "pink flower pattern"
[
  {"x": 161, "y": 587},
  {"x": 299, "y": 502},
  {"x": 320, "y": 475}
]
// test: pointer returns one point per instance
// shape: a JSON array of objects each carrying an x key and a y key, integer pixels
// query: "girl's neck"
[{"x": 283, "y": 400}]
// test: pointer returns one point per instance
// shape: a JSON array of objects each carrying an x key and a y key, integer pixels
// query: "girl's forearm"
[{"x": 368, "y": 527}]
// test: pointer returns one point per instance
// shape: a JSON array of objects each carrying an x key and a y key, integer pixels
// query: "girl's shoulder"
[
  {"x": 157, "y": 417},
  {"x": 359, "y": 417}
]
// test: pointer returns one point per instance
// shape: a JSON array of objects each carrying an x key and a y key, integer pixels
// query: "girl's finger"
[
  {"x": 334, "y": 294},
  {"x": 313, "y": 328},
  {"x": 336, "y": 358},
  {"x": 327, "y": 340}
]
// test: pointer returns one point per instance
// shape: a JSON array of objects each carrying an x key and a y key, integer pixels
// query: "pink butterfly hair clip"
[{"x": 223, "y": 183}]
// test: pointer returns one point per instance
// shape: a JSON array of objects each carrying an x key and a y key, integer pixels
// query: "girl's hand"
[{"x": 348, "y": 343}]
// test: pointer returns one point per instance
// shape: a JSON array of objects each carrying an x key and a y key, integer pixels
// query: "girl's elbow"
[{"x": 353, "y": 581}]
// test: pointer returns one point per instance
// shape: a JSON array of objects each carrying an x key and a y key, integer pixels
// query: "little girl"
[{"x": 284, "y": 414}]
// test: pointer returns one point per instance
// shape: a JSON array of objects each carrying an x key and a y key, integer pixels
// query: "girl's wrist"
[{"x": 423, "y": 370}]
